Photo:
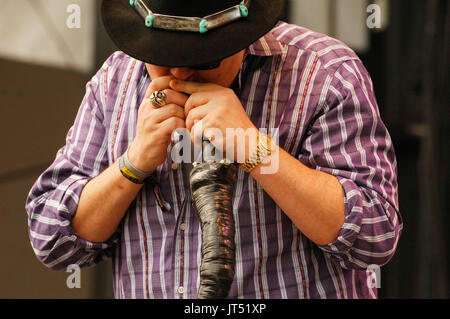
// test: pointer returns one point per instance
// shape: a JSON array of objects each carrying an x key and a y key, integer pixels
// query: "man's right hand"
[
  {"x": 155, "y": 126},
  {"x": 106, "y": 198}
]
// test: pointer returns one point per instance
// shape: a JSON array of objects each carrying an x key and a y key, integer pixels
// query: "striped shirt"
[{"x": 319, "y": 96}]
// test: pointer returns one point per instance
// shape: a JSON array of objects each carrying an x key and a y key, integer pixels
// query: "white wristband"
[{"x": 133, "y": 169}]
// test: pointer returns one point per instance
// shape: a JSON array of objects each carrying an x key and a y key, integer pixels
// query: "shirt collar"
[{"x": 268, "y": 45}]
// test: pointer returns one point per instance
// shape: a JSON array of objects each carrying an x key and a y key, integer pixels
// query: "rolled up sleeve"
[
  {"x": 53, "y": 199},
  {"x": 348, "y": 139}
]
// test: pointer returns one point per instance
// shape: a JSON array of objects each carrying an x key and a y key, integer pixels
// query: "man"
[{"x": 309, "y": 229}]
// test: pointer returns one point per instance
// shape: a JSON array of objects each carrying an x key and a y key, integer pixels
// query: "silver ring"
[{"x": 158, "y": 99}]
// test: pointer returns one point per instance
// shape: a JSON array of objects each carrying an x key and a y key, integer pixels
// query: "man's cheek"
[
  {"x": 212, "y": 76},
  {"x": 157, "y": 71},
  {"x": 198, "y": 78}
]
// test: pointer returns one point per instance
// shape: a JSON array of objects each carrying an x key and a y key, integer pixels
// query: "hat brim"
[{"x": 127, "y": 30}]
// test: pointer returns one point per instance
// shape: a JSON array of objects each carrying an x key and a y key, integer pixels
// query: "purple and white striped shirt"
[{"x": 316, "y": 91}]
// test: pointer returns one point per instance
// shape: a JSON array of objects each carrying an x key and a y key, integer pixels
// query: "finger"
[
  {"x": 213, "y": 134},
  {"x": 197, "y": 132},
  {"x": 194, "y": 101},
  {"x": 158, "y": 84},
  {"x": 170, "y": 125},
  {"x": 194, "y": 115},
  {"x": 166, "y": 112},
  {"x": 191, "y": 87},
  {"x": 174, "y": 97}
]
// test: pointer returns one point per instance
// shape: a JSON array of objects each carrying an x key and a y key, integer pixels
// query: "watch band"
[{"x": 263, "y": 149}]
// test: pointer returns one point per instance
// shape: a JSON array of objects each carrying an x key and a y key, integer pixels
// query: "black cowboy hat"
[{"x": 128, "y": 30}]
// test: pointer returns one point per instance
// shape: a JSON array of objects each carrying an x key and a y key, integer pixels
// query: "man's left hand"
[{"x": 212, "y": 109}]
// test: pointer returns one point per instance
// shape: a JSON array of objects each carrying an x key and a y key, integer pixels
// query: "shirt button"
[
  {"x": 181, "y": 290},
  {"x": 175, "y": 166},
  {"x": 183, "y": 227}
]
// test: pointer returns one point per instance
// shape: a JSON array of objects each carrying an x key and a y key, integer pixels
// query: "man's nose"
[{"x": 181, "y": 73}]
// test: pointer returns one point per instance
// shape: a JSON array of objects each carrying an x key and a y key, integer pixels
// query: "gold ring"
[{"x": 158, "y": 99}]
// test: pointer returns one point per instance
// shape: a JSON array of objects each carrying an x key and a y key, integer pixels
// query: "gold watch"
[{"x": 263, "y": 149}]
